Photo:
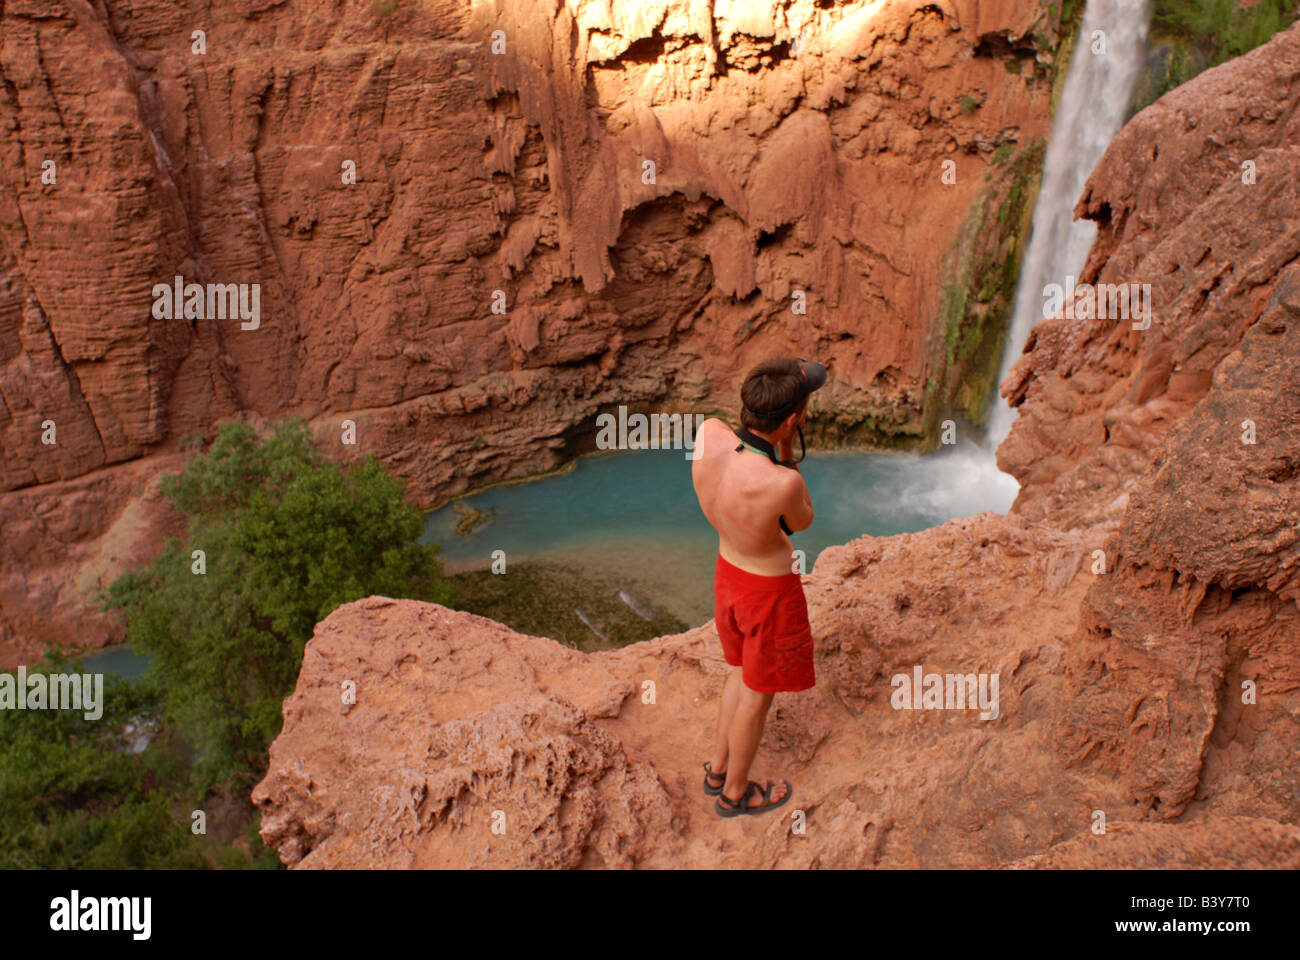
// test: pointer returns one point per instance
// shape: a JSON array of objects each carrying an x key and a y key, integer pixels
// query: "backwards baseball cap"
[{"x": 814, "y": 378}]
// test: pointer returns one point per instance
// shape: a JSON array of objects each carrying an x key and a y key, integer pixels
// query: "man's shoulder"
[
  {"x": 708, "y": 444},
  {"x": 787, "y": 482},
  {"x": 789, "y": 478},
  {"x": 711, "y": 429}
]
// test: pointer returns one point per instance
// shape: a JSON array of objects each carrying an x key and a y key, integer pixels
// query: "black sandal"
[
  {"x": 736, "y": 808},
  {"x": 708, "y": 772}
]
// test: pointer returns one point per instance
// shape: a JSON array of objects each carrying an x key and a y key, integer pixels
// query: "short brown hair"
[{"x": 774, "y": 385}]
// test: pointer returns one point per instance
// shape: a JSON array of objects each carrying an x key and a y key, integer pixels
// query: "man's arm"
[{"x": 797, "y": 508}]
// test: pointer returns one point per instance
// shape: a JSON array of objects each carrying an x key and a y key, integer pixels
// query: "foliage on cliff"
[
  {"x": 285, "y": 538},
  {"x": 1189, "y": 36},
  {"x": 976, "y": 307}
]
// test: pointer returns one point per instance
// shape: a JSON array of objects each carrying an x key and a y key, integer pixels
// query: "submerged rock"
[{"x": 471, "y": 518}]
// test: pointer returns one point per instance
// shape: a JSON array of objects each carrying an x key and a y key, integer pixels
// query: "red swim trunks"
[{"x": 763, "y": 625}]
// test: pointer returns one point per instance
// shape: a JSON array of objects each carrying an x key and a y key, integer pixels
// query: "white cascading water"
[{"x": 1093, "y": 106}]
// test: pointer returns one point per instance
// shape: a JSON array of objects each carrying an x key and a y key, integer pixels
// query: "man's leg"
[
  {"x": 726, "y": 711},
  {"x": 742, "y": 743}
]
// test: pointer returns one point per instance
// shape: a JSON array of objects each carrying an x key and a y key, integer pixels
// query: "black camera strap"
[{"x": 759, "y": 445}]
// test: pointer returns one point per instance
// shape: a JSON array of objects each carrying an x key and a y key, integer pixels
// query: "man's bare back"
[{"x": 744, "y": 495}]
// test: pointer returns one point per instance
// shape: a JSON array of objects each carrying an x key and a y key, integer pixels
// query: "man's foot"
[
  {"x": 756, "y": 799},
  {"x": 710, "y": 787}
]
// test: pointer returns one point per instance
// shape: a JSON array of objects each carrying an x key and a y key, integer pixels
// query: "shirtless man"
[{"x": 754, "y": 502}]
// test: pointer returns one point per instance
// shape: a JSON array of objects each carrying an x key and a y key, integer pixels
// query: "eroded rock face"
[
  {"x": 1097, "y": 397},
  {"x": 1203, "y": 596},
  {"x": 1188, "y": 434},
  {"x": 425, "y": 769},
  {"x": 1138, "y": 607},
  {"x": 796, "y": 146}
]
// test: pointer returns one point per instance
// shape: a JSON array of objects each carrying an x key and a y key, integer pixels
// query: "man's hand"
[{"x": 786, "y": 449}]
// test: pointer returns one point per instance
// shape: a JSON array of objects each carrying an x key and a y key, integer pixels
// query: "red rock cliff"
[{"x": 796, "y": 147}]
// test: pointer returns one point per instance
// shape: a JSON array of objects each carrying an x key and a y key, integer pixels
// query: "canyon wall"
[
  {"x": 473, "y": 227},
  {"x": 1138, "y": 605},
  {"x": 1186, "y": 435}
]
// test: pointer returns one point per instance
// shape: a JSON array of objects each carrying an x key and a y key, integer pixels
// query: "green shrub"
[
  {"x": 287, "y": 538},
  {"x": 1224, "y": 29},
  {"x": 1189, "y": 36},
  {"x": 73, "y": 798}
]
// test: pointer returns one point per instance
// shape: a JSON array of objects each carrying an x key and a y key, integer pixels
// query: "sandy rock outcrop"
[
  {"x": 457, "y": 718},
  {"x": 471, "y": 745},
  {"x": 1138, "y": 608},
  {"x": 562, "y": 792},
  {"x": 457, "y": 242}
]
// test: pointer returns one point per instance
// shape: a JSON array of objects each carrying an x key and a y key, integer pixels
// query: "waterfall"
[{"x": 1093, "y": 106}]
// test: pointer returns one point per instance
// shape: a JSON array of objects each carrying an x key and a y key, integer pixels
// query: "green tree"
[{"x": 286, "y": 538}]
